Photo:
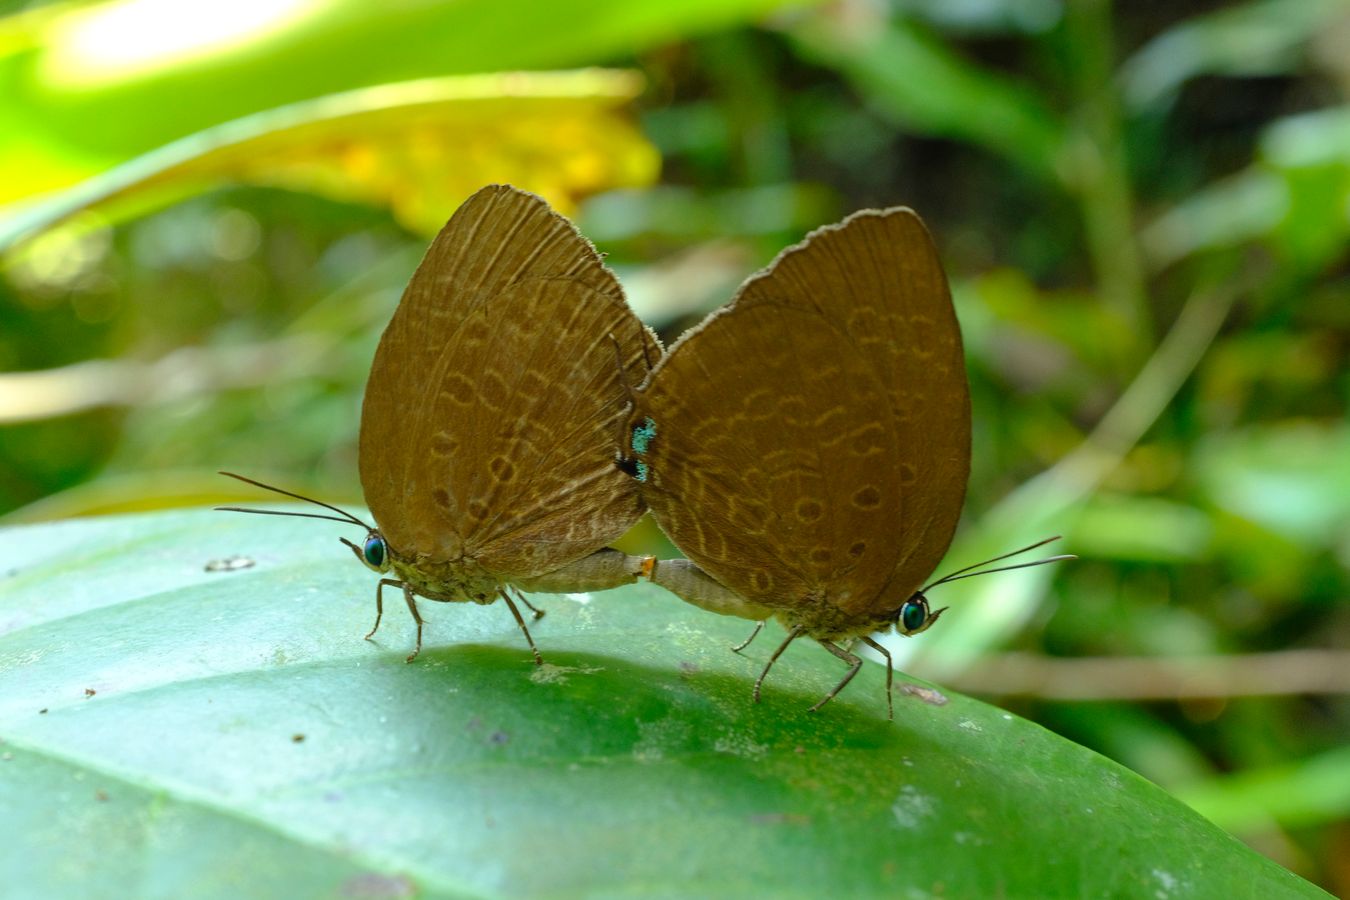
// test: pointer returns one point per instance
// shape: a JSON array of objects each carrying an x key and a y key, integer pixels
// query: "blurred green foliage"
[{"x": 1143, "y": 209}]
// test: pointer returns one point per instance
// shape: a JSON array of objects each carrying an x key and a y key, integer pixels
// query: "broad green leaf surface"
[{"x": 176, "y": 732}]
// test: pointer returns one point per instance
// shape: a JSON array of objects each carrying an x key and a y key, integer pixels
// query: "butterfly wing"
[
  {"x": 877, "y": 277},
  {"x": 496, "y": 398},
  {"x": 770, "y": 462},
  {"x": 834, "y": 381}
]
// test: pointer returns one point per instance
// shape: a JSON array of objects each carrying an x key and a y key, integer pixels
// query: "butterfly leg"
[
  {"x": 890, "y": 673},
  {"x": 538, "y": 613},
  {"x": 379, "y": 603},
  {"x": 737, "y": 648},
  {"x": 854, "y": 661},
  {"x": 538, "y": 660},
  {"x": 793, "y": 634},
  {"x": 417, "y": 617}
]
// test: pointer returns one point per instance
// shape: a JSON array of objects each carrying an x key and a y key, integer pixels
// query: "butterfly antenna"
[
  {"x": 346, "y": 516},
  {"x": 642, "y": 342},
  {"x": 623, "y": 371},
  {"x": 968, "y": 572}
]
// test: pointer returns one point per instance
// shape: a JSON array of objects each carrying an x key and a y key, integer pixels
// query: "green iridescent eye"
[
  {"x": 913, "y": 614},
  {"x": 374, "y": 551}
]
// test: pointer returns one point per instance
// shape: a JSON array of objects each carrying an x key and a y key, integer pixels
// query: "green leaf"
[
  {"x": 90, "y": 85},
  {"x": 1296, "y": 794},
  {"x": 181, "y": 732},
  {"x": 419, "y": 147},
  {"x": 1142, "y": 529},
  {"x": 1294, "y": 195},
  {"x": 1267, "y": 37},
  {"x": 921, "y": 84},
  {"x": 1292, "y": 478}
]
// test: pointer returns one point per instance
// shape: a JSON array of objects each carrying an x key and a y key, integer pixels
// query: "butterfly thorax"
[
  {"x": 820, "y": 618},
  {"x": 451, "y": 581}
]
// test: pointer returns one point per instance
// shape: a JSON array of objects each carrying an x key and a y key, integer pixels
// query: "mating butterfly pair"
[{"x": 807, "y": 446}]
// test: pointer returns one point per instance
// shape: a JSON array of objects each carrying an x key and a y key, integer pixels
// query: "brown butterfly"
[
  {"x": 807, "y": 446},
  {"x": 487, "y": 432}
]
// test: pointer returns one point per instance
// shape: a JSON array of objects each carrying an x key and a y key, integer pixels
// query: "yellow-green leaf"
[{"x": 419, "y": 147}]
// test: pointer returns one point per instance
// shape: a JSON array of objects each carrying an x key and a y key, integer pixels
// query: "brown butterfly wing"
[
  {"x": 771, "y": 463},
  {"x": 877, "y": 276},
  {"x": 535, "y": 456},
  {"x": 495, "y": 400},
  {"x": 874, "y": 279}
]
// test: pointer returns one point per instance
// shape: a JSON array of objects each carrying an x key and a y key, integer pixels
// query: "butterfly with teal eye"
[
  {"x": 488, "y": 421},
  {"x": 807, "y": 446},
  {"x": 374, "y": 553}
]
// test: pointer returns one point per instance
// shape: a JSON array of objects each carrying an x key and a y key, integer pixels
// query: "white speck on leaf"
[
  {"x": 655, "y": 737},
  {"x": 912, "y": 807},
  {"x": 740, "y": 745},
  {"x": 229, "y": 564},
  {"x": 551, "y": 674},
  {"x": 969, "y": 725}
]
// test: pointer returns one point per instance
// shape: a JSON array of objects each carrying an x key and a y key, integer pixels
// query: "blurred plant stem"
[
  {"x": 1125, "y": 423},
  {"x": 1097, "y": 172},
  {"x": 751, "y": 103},
  {"x": 1157, "y": 678},
  {"x": 186, "y": 372}
]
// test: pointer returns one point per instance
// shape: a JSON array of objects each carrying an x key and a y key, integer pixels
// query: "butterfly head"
[
  {"x": 916, "y": 616},
  {"x": 373, "y": 551}
]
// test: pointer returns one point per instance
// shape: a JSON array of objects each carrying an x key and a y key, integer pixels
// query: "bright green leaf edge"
[
  {"x": 242, "y": 740},
  {"x": 203, "y": 160}
]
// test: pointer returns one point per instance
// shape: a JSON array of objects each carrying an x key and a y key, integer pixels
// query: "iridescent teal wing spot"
[{"x": 643, "y": 434}]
